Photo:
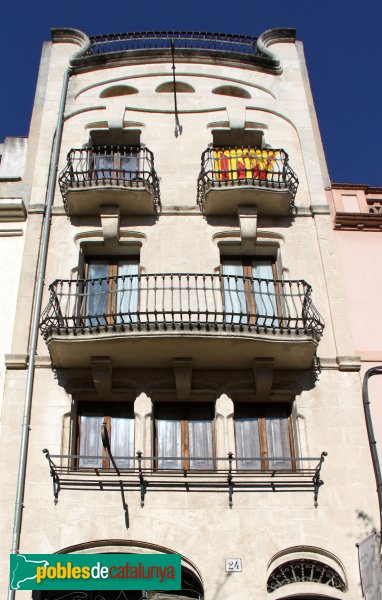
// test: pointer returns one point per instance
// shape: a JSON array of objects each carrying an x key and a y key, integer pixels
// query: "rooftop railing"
[
  {"x": 224, "y": 167},
  {"x": 119, "y": 166},
  {"x": 181, "y": 300},
  {"x": 182, "y": 40}
]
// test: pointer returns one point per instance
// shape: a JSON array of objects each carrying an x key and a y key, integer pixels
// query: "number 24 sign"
[{"x": 233, "y": 565}]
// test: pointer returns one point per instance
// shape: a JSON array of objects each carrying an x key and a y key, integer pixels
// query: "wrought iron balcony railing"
[
  {"x": 183, "y": 40},
  {"x": 227, "y": 474},
  {"x": 245, "y": 166},
  {"x": 117, "y": 166},
  {"x": 181, "y": 301}
]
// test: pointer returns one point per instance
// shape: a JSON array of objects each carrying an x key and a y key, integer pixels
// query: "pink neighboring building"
[{"x": 357, "y": 214}]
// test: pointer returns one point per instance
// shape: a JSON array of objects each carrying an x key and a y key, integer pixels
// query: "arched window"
[
  {"x": 231, "y": 90},
  {"x": 304, "y": 570},
  {"x": 118, "y": 90},
  {"x": 191, "y": 590},
  {"x": 180, "y": 88}
]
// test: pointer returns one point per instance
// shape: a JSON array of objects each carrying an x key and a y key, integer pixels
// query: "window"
[
  {"x": 305, "y": 569},
  {"x": 263, "y": 436},
  {"x": 185, "y": 436},
  {"x": 114, "y": 162},
  {"x": 231, "y": 90},
  {"x": 180, "y": 87},
  {"x": 111, "y": 290},
  {"x": 119, "y": 419},
  {"x": 250, "y": 291}
]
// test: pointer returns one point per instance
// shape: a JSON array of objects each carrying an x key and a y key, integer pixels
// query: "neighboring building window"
[
  {"x": 250, "y": 292},
  {"x": 119, "y": 419},
  {"x": 375, "y": 205},
  {"x": 263, "y": 435},
  {"x": 184, "y": 436},
  {"x": 111, "y": 290},
  {"x": 350, "y": 203}
]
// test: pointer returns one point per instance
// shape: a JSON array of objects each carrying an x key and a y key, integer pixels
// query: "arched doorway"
[{"x": 191, "y": 590}]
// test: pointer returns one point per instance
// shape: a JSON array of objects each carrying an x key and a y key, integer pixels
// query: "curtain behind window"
[
  {"x": 200, "y": 443},
  {"x": 90, "y": 441},
  {"x": 103, "y": 163},
  {"x": 278, "y": 442},
  {"x": 265, "y": 292},
  {"x": 234, "y": 293},
  {"x": 97, "y": 288},
  {"x": 169, "y": 441},
  {"x": 129, "y": 164},
  {"x": 122, "y": 438},
  {"x": 127, "y": 290},
  {"x": 247, "y": 442}
]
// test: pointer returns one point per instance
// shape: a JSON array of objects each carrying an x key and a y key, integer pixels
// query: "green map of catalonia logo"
[
  {"x": 95, "y": 572},
  {"x": 23, "y": 571}
]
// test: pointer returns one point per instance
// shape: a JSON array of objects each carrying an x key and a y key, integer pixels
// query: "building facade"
[
  {"x": 14, "y": 195},
  {"x": 357, "y": 221},
  {"x": 195, "y": 387}
]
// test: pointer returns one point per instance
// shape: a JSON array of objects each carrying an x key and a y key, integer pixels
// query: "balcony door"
[
  {"x": 111, "y": 291},
  {"x": 249, "y": 291},
  {"x": 184, "y": 436},
  {"x": 115, "y": 162}
]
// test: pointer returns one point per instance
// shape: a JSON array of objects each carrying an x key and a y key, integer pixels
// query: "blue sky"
[{"x": 342, "y": 41}]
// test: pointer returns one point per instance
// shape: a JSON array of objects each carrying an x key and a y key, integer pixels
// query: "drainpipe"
[
  {"x": 35, "y": 324},
  {"x": 370, "y": 434}
]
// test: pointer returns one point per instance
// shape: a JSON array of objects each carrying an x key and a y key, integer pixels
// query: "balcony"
[
  {"x": 104, "y": 175},
  {"x": 244, "y": 46},
  {"x": 156, "y": 46},
  {"x": 233, "y": 176},
  {"x": 220, "y": 321},
  {"x": 143, "y": 475}
]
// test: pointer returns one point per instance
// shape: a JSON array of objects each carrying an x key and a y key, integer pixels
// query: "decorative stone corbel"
[
  {"x": 183, "y": 375},
  {"x": 236, "y": 117},
  {"x": 263, "y": 373},
  {"x": 110, "y": 217},
  {"x": 248, "y": 226},
  {"x": 115, "y": 112},
  {"x": 102, "y": 375}
]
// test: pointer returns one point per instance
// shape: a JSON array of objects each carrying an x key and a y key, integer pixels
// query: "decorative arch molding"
[
  {"x": 119, "y": 546},
  {"x": 229, "y": 242},
  {"x": 274, "y": 36},
  {"x": 247, "y": 125},
  {"x": 94, "y": 239},
  {"x": 308, "y": 595},
  {"x": 69, "y": 35},
  {"x": 192, "y": 585},
  {"x": 301, "y": 565},
  {"x": 82, "y": 110},
  {"x": 270, "y": 111},
  {"x": 211, "y": 76},
  {"x": 97, "y": 125}
]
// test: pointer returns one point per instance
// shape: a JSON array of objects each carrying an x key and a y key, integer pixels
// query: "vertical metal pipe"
[
  {"x": 370, "y": 434},
  {"x": 35, "y": 325}
]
